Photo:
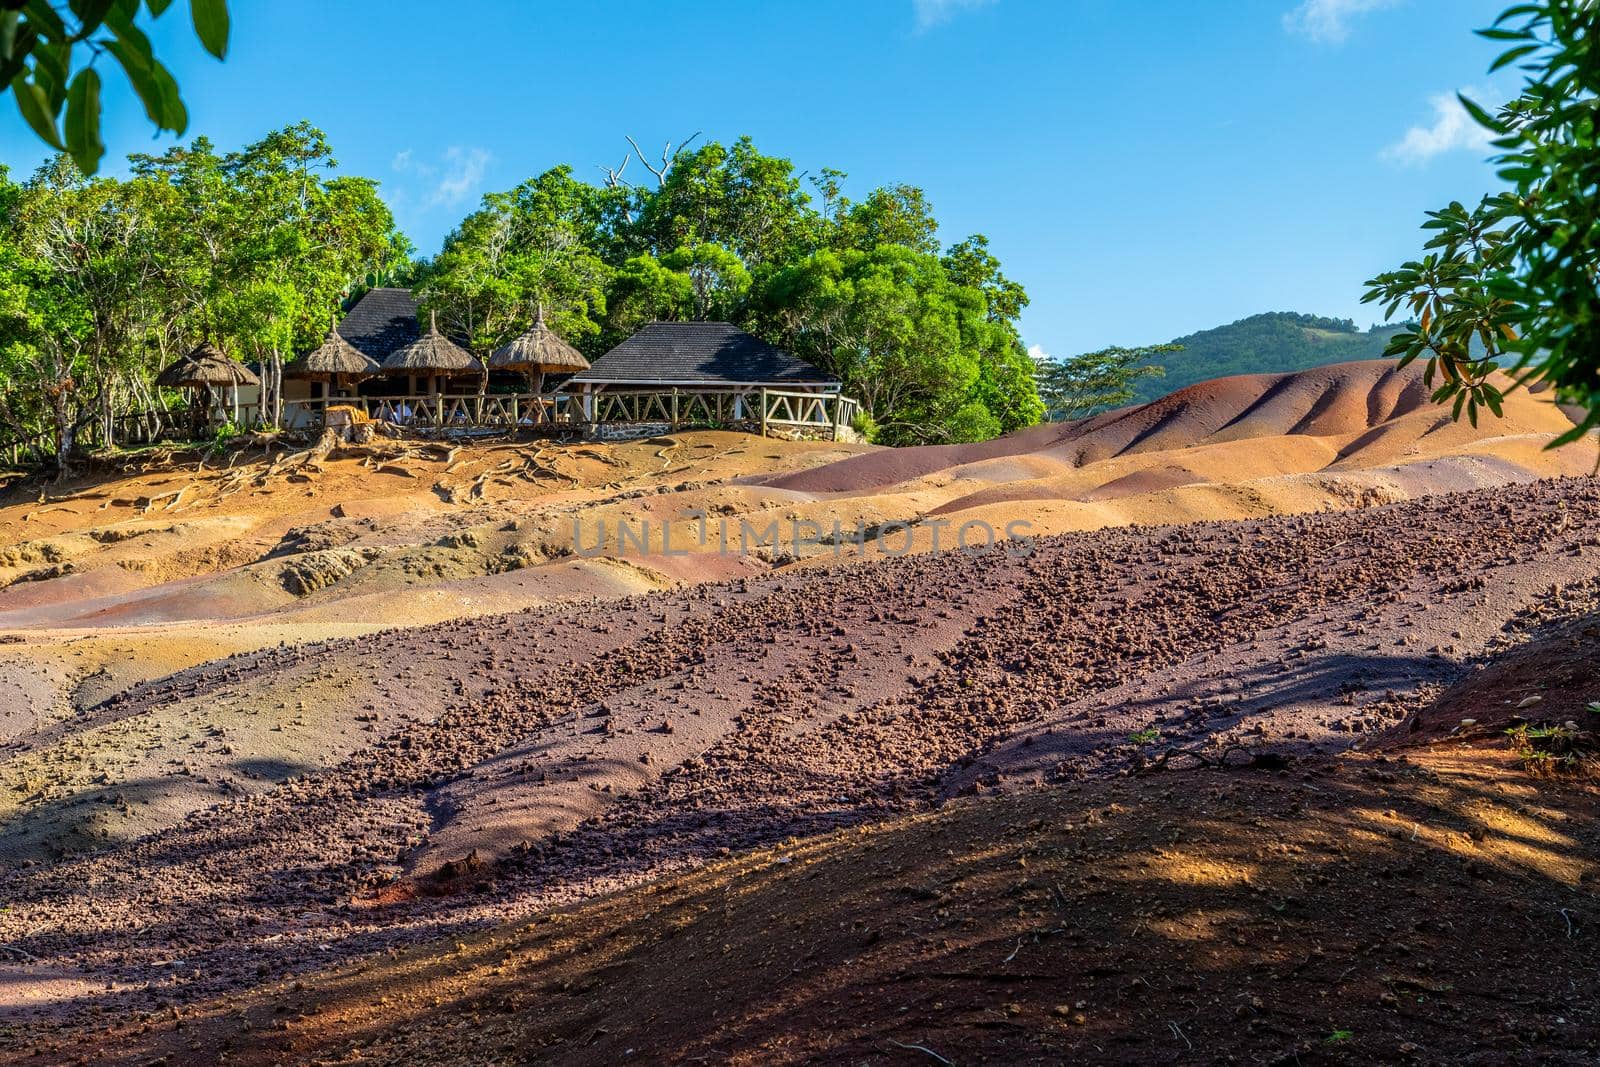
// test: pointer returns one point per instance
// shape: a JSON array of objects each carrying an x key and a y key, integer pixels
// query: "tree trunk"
[
  {"x": 64, "y": 435},
  {"x": 275, "y": 372},
  {"x": 108, "y": 427}
]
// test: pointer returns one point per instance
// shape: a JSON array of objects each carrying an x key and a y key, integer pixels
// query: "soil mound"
[
  {"x": 1339, "y": 400},
  {"x": 275, "y": 813}
]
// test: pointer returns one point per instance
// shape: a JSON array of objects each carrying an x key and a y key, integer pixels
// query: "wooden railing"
[
  {"x": 35, "y": 451},
  {"x": 473, "y": 411},
  {"x": 824, "y": 414},
  {"x": 675, "y": 407},
  {"x": 807, "y": 411},
  {"x": 148, "y": 427},
  {"x": 827, "y": 414}
]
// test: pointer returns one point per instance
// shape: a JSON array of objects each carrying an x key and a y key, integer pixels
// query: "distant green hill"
[{"x": 1275, "y": 341}]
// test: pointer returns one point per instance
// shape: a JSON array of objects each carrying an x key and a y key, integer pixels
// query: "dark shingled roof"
[
  {"x": 382, "y": 321},
  {"x": 699, "y": 352}
]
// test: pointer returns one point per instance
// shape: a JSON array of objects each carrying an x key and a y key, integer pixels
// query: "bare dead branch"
[
  {"x": 669, "y": 156},
  {"x": 614, "y": 177}
]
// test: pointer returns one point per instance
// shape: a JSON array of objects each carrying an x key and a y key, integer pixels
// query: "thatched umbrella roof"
[
  {"x": 205, "y": 366},
  {"x": 335, "y": 358},
  {"x": 538, "y": 350},
  {"x": 433, "y": 353}
]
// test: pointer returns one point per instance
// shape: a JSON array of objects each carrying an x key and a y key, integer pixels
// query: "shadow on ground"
[{"x": 1369, "y": 908}]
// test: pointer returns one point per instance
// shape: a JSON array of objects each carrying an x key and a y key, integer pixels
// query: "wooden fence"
[
  {"x": 827, "y": 414},
  {"x": 823, "y": 414},
  {"x": 807, "y": 411},
  {"x": 472, "y": 411},
  {"x": 36, "y": 451}
]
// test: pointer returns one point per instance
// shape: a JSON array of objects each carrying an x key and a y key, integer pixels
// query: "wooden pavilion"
[{"x": 702, "y": 357}]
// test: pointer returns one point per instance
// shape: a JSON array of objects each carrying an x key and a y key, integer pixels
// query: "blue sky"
[{"x": 1144, "y": 167}]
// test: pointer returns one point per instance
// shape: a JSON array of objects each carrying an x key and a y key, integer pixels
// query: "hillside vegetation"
[{"x": 1272, "y": 342}]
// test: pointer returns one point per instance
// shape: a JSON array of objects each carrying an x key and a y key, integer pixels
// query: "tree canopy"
[
  {"x": 927, "y": 341},
  {"x": 1093, "y": 382},
  {"x": 1271, "y": 342},
  {"x": 103, "y": 281}
]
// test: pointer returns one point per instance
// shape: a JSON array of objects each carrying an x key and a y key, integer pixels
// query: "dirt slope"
[
  {"x": 1350, "y": 434},
  {"x": 180, "y": 565},
  {"x": 279, "y": 720},
  {"x": 768, "y": 709},
  {"x": 1356, "y": 911}
]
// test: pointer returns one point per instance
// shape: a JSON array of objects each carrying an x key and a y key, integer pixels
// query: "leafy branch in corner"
[
  {"x": 1518, "y": 278},
  {"x": 40, "y": 43}
]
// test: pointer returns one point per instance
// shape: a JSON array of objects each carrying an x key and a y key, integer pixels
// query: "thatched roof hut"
[
  {"x": 540, "y": 350},
  {"x": 432, "y": 354},
  {"x": 205, "y": 367},
  {"x": 334, "y": 359}
]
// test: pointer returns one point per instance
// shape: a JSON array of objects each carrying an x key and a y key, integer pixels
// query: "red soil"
[
  {"x": 1345, "y": 398},
  {"x": 800, "y": 704}
]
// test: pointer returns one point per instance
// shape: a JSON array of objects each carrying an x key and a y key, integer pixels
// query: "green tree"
[
  {"x": 718, "y": 280},
  {"x": 102, "y": 282},
  {"x": 906, "y": 340},
  {"x": 90, "y": 245},
  {"x": 260, "y": 246},
  {"x": 42, "y": 42},
  {"x": 644, "y": 290},
  {"x": 303, "y": 238},
  {"x": 749, "y": 203},
  {"x": 970, "y": 263},
  {"x": 928, "y": 341},
  {"x": 536, "y": 244},
  {"x": 1083, "y": 385},
  {"x": 1515, "y": 282}
]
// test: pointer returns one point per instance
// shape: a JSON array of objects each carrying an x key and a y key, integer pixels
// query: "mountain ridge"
[{"x": 1269, "y": 342}]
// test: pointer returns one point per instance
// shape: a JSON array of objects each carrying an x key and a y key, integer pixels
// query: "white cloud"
[
  {"x": 459, "y": 173},
  {"x": 464, "y": 169},
  {"x": 1328, "y": 21},
  {"x": 1037, "y": 352},
  {"x": 931, "y": 13},
  {"x": 1452, "y": 130}
]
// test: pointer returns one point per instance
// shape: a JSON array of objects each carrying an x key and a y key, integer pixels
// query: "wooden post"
[
  {"x": 674, "y": 407},
  {"x": 763, "y": 400}
]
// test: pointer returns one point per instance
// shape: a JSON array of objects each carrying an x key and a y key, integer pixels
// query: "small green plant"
[
  {"x": 1148, "y": 736},
  {"x": 1593, "y": 708},
  {"x": 1551, "y": 747},
  {"x": 1338, "y": 1036},
  {"x": 865, "y": 426}
]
